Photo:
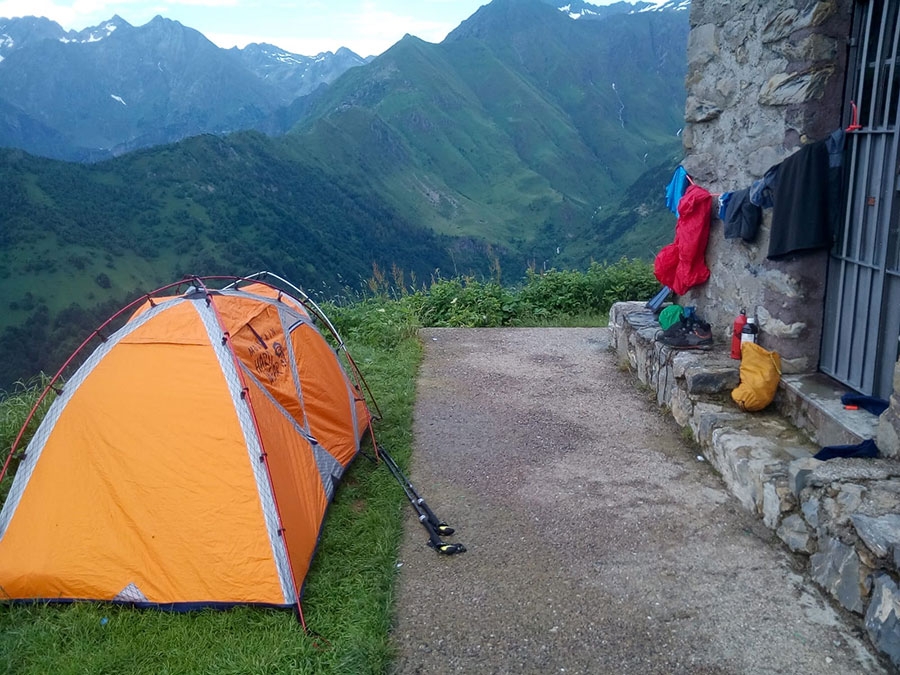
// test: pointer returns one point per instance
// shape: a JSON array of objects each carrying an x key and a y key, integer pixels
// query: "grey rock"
[
  {"x": 712, "y": 380},
  {"x": 810, "y": 510},
  {"x": 836, "y": 568},
  {"x": 843, "y": 470},
  {"x": 771, "y": 506},
  {"x": 850, "y": 499},
  {"x": 883, "y": 617},
  {"x": 779, "y": 328},
  {"x": 781, "y": 26},
  {"x": 814, "y": 48},
  {"x": 709, "y": 417},
  {"x": 795, "y": 534},
  {"x": 880, "y": 534},
  {"x": 790, "y": 21},
  {"x": 681, "y": 406},
  {"x": 702, "y": 45},
  {"x": 800, "y": 473},
  {"x": 697, "y": 110},
  {"x": 888, "y": 439},
  {"x": 796, "y": 88}
]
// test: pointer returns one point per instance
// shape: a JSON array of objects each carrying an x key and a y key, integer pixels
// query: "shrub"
[
  {"x": 375, "y": 322},
  {"x": 557, "y": 294},
  {"x": 466, "y": 302}
]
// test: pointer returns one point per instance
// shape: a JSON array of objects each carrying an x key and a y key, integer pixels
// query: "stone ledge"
[
  {"x": 813, "y": 402},
  {"x": 840, "y": 516}
]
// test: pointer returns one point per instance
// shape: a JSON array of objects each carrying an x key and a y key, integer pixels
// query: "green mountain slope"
[
  {"x": 524, "y": 138},
  {"x": 517, "y": 128},
  {"x": 79, "y": 240}
]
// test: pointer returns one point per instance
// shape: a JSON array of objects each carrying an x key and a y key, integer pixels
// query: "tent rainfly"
[{"x": 188, "y": 462}]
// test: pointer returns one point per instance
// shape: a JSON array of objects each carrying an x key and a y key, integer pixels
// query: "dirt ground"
[{"x": 598, "y": 541}]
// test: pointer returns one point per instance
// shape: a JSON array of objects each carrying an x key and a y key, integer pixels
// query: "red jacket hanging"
[{"x": 681, "y": 264}]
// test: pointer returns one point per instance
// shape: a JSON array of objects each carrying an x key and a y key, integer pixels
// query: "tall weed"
[
  {"x": 15, "y": 406},
  {"x": 466, "y": 302}
]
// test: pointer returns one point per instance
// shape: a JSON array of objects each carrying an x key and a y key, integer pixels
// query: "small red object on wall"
[{"x": 736, "y": 335}]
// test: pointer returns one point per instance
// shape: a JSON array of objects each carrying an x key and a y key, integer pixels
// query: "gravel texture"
[{"x": 598, "y": 541}]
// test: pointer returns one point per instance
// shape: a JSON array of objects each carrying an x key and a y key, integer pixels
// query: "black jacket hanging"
[{"x": 806, "y": 195}]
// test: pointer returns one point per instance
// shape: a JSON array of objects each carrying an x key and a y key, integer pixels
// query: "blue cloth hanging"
[{"x": 676, "y": 188}]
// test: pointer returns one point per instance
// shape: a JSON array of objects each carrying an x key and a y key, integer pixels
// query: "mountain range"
[
  {"x": 526, "y": 138},
  {"x": 113, "y": 88}
]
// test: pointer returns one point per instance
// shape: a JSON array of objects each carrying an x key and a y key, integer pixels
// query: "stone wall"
[
  {"x": 764, "y": 77},
  {"x": 839, "y": 516}
]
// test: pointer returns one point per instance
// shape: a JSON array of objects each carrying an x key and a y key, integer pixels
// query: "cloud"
[
  {"x": 70, "y": 15},
  {"x": 367, "y": 27},
  {"x": 378, "y": 28}
]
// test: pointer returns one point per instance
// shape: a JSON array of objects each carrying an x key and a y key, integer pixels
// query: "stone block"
[
  {"x": 709, "y": 417},
  {"x": 794, "y": 532},
  {"x": 800, "y": 473},
  {"x": 747, "y": 462},
  {"x": 881, "y": 535},
  {"x": 849, "y": 499},
  {"x": 883, "y": 617},
  {"x": 771, "y": 506},
  {"x": 813, "y": 48},
  {"x": 844, "y": 470},
  {"x": 681, "y": 406},
  {"x": 781, "y": 26},
  {"x": 789, "y": 21},
  {"x": 702, "y": 45},
  {"x": 712, "y": 380},
  {"x": 683, "y": 361},
  {"x": 697, "y": 110},
  {"x": 796, "y": 88},
  {"x": 778, "y": 328},
  {"x": 836, "y": 568},
  {"x": 810, "y": 509},
  {"x": 888, "y": 437}
]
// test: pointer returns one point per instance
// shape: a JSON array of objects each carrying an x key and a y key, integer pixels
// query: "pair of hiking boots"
[{"x": 689, "y": 332}]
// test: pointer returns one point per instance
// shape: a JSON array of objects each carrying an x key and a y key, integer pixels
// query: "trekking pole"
[{"x": 432, "y": 524}]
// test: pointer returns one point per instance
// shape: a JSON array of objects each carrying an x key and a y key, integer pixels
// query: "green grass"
[{"x": 348, "y": 596}]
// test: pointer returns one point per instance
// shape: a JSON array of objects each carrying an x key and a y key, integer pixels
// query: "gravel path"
[{"x": 597, "y": 541}]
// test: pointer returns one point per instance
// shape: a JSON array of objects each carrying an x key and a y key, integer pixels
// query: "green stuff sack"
[
  {"x": 760, "y": 374},
  {"x": 670, "y": 316}
]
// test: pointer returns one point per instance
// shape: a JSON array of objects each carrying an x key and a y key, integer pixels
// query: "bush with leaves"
[
  {"x": 568, "y": 293},
  {"x": 466, "y": 302},
  {"x": 376, "y": 322}
]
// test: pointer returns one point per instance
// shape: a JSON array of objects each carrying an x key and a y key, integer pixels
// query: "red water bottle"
[{"x": 736, "y": 335}]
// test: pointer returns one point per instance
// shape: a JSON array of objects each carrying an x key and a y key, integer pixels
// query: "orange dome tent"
[{"x": 188, "y": 462}]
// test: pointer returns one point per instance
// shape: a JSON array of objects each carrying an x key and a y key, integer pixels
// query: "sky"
[{"x": 368, "y": 27}]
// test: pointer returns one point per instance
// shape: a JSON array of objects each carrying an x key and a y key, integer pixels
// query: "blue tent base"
[{"x": 175, "y": 607}]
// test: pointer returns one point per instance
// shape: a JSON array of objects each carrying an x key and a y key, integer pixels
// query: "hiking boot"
[{"x": 687, "y": 334}]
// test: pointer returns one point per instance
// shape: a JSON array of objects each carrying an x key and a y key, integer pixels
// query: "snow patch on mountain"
[
  {"x": 576, "y": 14},
  {"x": 118, "y": 98},
  {"x": 666, "y": 5},
  {"x": 282, "y": 55},
  {"x": 638, "y": 6},
  {"x": 97, "y": 34}
]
